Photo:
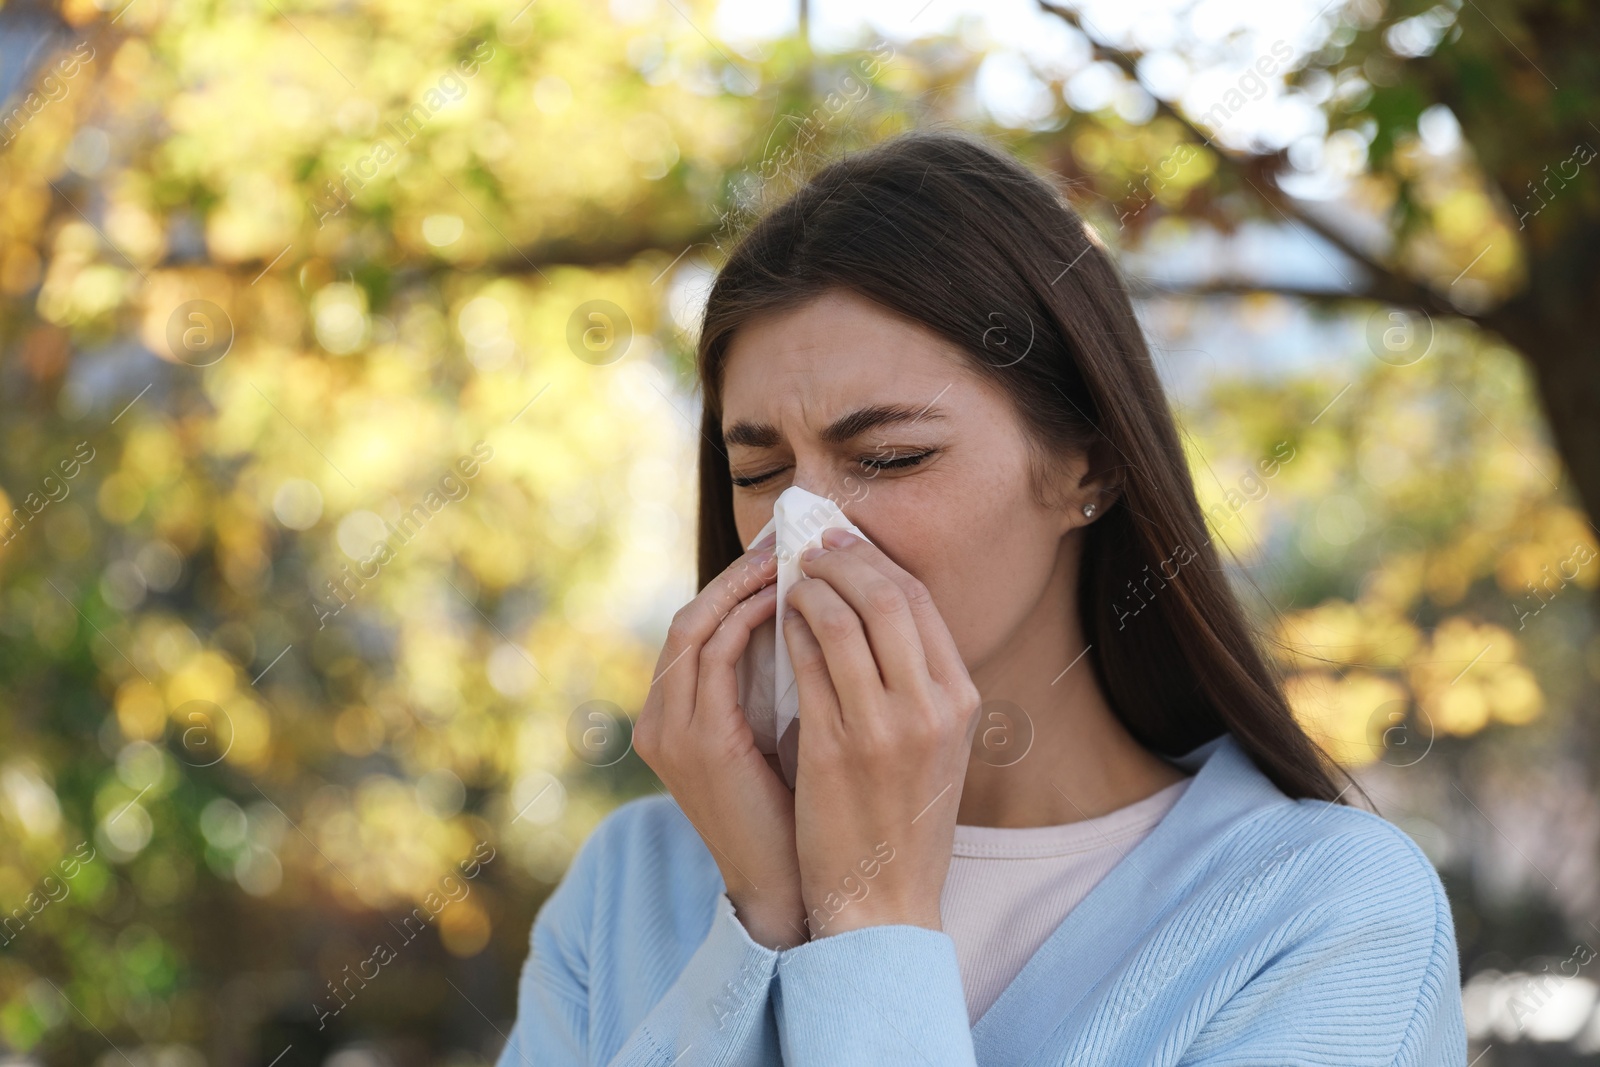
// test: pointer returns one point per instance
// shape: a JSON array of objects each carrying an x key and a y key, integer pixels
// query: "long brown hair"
[{"x": 962, "y": 238}]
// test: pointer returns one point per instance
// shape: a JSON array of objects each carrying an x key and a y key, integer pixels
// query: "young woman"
[{"x": 1051, "y": 805}]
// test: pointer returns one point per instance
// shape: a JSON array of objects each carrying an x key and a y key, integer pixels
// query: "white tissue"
[{"x": 766, "y": 677}]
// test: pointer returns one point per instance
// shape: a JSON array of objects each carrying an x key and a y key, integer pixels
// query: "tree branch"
[
  {"x": 1387, "y": 283},
  {"x": 1145, "y": 288},
  {"x": 532, "y": 259}
]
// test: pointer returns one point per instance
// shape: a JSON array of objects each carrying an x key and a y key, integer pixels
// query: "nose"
[
  {"x": 827, "y": 484},
  {"x": 845, "y": 490}
]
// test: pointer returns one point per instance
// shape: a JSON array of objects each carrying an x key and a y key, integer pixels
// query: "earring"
[{"x": 1088, "y": 511}]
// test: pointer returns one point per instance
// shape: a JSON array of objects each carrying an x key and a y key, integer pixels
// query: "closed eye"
[
  {"x": 873, "y": 463},
  {"x": 876, "y": 463}
]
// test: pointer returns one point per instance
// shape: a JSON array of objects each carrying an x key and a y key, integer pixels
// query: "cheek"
[
  {"x": 974, "y": 588},
  {"x": 983, "y": 549},
  {"x": 751, "y": 511},
  {"x": 744, "y": 521}
]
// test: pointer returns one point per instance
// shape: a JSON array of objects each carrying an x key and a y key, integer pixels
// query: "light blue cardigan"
[{"x": 1245, "y": 929}]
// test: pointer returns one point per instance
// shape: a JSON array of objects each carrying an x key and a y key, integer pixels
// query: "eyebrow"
[{"x": 840, "y": 430}]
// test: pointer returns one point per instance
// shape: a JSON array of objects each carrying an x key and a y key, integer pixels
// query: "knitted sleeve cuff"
[{"x": 878, "y": 994}]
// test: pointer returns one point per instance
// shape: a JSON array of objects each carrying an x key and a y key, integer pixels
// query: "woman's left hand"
[{"x": 887, "y": 715}]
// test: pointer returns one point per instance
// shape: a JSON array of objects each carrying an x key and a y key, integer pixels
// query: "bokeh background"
[{"x": 347, "y": 434}]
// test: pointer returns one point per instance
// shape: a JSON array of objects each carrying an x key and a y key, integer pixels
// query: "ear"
[
  {"x": 1092, "y": 478},
  {"x": 1103, "y": 480}
]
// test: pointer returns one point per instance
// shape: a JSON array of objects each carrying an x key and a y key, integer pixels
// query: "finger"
[
  {"x": 942, "y": 657},
  {"x": 817, "y": 694},
  {"x": 718, "y": 681},
  {"x": 880, "y": 604},
  {"x": 676, "y": 676},
  {"x": 840, "y": 653}
]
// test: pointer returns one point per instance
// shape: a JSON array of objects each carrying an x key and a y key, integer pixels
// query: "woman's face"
[{"x": 842, "y": 397}]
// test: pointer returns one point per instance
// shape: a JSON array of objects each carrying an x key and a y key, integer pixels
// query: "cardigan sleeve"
[
  {"x": 715, "y": 1005},
  {"x": 1370, "y": 976},
  {"x": 874, "y": 995},
  {"x": 1437, "y": 1034}
]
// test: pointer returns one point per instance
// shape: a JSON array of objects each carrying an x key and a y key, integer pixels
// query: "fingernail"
[
  {"x": 838, "y": 537},
  {"x": 813, "y": 553},
  {"x": 767, "y": 541}
]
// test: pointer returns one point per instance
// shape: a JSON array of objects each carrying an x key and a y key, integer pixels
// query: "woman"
[{"x": 1135, "y": 857}]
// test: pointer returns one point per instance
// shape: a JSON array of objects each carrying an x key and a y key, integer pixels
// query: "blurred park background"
[{"x": 347, "y": 434}]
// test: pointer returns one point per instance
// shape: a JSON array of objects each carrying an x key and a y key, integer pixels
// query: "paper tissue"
[{"x": 766, "y": 677}]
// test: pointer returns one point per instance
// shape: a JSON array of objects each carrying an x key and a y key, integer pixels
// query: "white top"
[{"x": 1009, "y": 888}]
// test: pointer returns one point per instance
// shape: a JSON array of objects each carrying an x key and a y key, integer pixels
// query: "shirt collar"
[{"x": 1228, "y": 789}]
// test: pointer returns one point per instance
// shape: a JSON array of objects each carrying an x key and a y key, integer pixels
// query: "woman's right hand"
[{"x": 693, "y": 734}]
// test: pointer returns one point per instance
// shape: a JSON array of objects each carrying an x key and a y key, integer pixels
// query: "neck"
[{"x": 1049, "y": 749}]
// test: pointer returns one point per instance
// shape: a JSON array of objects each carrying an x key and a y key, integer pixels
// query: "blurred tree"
[
  {"x": 337, "y": 430},
  {"x": 1504, "y": 233}
]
